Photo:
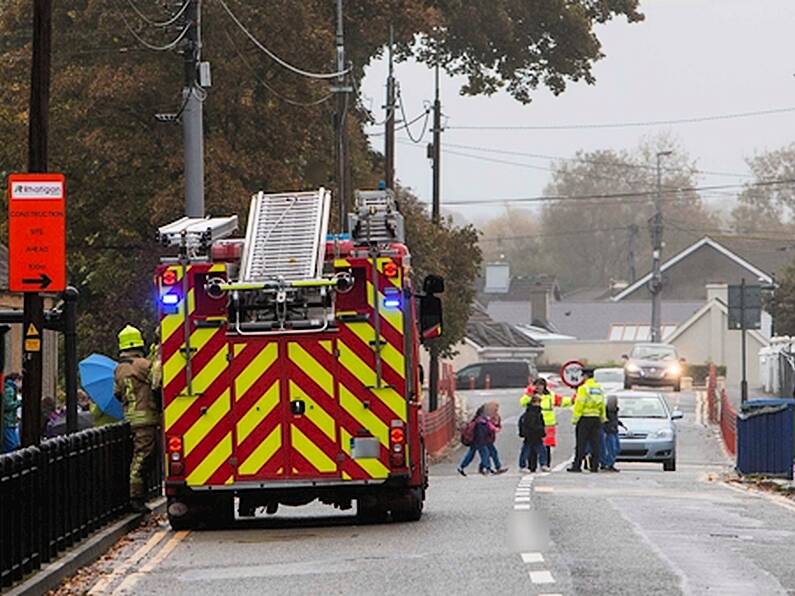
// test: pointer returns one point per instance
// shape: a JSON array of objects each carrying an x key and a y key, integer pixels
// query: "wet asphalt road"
[{"x": 642, "y": 531}]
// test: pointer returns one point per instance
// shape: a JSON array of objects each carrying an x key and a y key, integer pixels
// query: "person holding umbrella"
[{"x": 132, "y": 385}]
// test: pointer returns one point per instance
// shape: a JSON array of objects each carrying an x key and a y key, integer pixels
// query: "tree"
[
  {"x": 589, "y": 245},
  {"x": 516, "y": 237},
  {"x": 784, "y": 303},
  {"x": 447, "y": 250},
  {"x": 767, "y": 208},
  {"x": 125, "y": 168}
]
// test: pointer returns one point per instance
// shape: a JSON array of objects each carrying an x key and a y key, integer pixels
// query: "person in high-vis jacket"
[
  {"x": 132, "y": 385},
  {"x": 588, "y": 415},
  {"x": 549, "y": 401}
]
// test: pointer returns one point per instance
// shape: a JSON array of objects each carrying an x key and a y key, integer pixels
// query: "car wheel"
[
  {"x": 670, "y": 465},
  {"x": 627, "y": 384}
]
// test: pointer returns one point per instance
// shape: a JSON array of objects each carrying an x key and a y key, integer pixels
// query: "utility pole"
[
  {"x": 389, "y": 132},
  {"x": 437, "y": 152},
  {"x": 744, "y": 380},
  {"x": 342, "y": 90},
  {"x": 655, "y": 285},
  {"x": 433, "y": 374},
  {"x": 192, "y": 114},
  {"x": 38, "y": 129},
  {"x": 633, "y": 235}
]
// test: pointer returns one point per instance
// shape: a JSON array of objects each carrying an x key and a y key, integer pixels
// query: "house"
[
  {"x": 11, "y": 336},
  {"x": 725, "y": 260}
]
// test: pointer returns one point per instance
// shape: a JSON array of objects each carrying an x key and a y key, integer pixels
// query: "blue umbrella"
[{"x": 96, "y": 377}]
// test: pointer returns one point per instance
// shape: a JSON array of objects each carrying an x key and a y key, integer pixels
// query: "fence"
[
  {"x": 54, "y": 495},
  {"x": 440, "y": 425},
  {"x": 728, "y": 423}
]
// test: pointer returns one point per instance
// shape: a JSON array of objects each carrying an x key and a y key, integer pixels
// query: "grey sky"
[{"x": 689, "y": 58}]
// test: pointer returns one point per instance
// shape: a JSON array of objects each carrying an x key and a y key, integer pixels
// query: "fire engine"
[{"x": 291, "y": 361}]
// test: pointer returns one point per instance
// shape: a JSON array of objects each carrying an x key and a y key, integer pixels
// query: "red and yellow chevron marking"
[{"x": 200, "y": 414}]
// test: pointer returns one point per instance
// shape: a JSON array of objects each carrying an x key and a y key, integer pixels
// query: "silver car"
[{"x": 650, "y": 434}]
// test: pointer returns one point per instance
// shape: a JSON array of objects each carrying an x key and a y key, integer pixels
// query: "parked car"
[
  {"x": 500, "y": 373},
  {"x": 611, "y": 379},
  {"x": 553, "y": 379},
  {"x": 653, "y": 365},
  {"x": 650, "y": 435}
]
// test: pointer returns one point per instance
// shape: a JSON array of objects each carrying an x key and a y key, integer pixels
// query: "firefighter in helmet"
[{"x": 132, "y": 385}]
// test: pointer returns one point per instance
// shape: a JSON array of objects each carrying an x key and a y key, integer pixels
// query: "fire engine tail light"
[
  {"x": 397, "y": 444},
  {"x": 169, "y": 277},
  {"x": 175, "y": 464},
  {"x": 391, "y": 269}
]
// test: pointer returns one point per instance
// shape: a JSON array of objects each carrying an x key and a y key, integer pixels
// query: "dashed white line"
[
  {"x": 532, "y": 558},
  {"x": 541, "y": 577},
  {"x": 560, "y": 467},
  {"x": 521, "y": 507},
  {"x": 521, "y": 499}
]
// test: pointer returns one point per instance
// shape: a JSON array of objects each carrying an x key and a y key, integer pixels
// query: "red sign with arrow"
[{"x": 36, "y": 232}]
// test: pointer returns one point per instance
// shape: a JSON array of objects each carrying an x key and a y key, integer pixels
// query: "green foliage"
[
  {"x": 124, "y": 169},
  {"x": 767, "y": 208},
  {"x": 449, "y": 251}
]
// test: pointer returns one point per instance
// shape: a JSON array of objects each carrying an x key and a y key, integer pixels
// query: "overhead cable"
[
  {"x": 408, "y": 125},
  {"x": 628, "y": 196},
  {"x": 276, "y": 58},
  {"x": 167, "y": 23},
  {"x": 269, "y": 87},
  {"x": 169, "y": 46},
  {"x": 638, "y": 124}
]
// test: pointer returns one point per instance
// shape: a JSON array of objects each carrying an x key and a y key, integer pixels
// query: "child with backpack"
[
  {"x": 475, "y": 435},
  {"x": 532, "y": 431}
]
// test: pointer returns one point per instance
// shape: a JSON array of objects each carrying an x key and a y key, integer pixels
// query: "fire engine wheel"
[
  {"x": 369, "y": 510},
  {"x": 411, "y": 506}
]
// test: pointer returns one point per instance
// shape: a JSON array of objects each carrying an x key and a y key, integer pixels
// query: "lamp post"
[{"x": 655, "y": 286}]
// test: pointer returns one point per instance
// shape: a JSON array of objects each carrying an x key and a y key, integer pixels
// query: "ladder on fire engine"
[
  {"x": 376, "y": 219},
  {"x": 285, "y": 237}
]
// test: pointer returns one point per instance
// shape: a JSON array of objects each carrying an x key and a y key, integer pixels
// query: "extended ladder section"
[
  {"x": 285, "y": 238},
  {"x": 196, "y": 232},
  {"x": 376, "y": 220}
]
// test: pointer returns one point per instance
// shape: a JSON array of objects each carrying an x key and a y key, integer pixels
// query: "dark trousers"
[{"x": 589, "y": 436}]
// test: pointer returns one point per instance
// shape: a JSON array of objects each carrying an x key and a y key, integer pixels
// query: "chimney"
[
  {"x": 539, "y": 304},
  {"x": 498, "y": 278},
  {"x": 720, "y": 291}
]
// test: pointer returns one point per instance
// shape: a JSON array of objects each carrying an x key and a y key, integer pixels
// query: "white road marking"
[
  {"x": 541, "y": 577},
  {"x": 532, "y": 558},
  {"x": 555, "y": 594},
  {"x": 700, "y": 408},
  {"x": 521, "y": 499},
  {"x": 522, "y": 493},
  {"x": 561, "y": 466},
  {"x": 521, "y": 507},
  {"x": 545, "y": 489},
  {"x": 131, "y": 580}
]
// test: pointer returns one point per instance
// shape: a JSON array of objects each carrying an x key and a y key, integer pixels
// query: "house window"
[{"x": 629, "y": 332}]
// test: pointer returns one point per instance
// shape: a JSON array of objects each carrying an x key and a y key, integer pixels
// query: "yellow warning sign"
[
  {"x": 33, "y": 345},
  {"x": 32, "y": 331}
]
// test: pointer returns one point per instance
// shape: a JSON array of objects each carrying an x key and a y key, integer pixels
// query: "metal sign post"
[{"x": 745, "y": 312}]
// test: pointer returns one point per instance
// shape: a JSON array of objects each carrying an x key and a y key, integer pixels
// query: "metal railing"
[{"x": 54, "y": 495}]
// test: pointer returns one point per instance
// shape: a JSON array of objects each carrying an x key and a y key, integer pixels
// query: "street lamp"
[{"x": 656, "y": 241}]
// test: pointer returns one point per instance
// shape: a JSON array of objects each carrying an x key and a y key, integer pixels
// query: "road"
[{"x": 642, "y": 531}]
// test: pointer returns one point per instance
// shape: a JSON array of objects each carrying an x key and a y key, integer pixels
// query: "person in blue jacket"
[{"x": 11, "y": 403}]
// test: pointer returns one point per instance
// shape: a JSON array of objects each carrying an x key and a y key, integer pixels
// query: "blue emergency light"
[
  {"x": 169, "y": 299},
  {"x": 392, "y": 298}
]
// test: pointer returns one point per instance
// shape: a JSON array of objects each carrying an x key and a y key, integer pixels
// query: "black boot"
[{"x": 138, "y": 506}]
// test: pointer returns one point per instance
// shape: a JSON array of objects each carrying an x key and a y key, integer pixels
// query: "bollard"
[
  {"x": 471, "y": 383},
  {"x": 487, "y": 382}
]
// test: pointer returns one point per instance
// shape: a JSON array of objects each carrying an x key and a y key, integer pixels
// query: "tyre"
[
  {"x": 369, "y": 510},
  {"x": 627, "y": 384},
  {"x": 678, "y": 386},
  {"x": 221, "y": 512},
  {"x": 411, "y": 508},
  {"x": 670, "y": 465}
]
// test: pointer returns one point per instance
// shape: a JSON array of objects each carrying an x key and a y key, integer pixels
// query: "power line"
[
  {"x": 162, "y": 24},
  {"x": 264, "y": 83},
  {"x": 408, "y": 127},
  {"x": 169, "y": 46},
  {"x": 276, "y": 58},
  {"x": 649, "y": 123},
  {"x": 567, "y": 232},
  {"x": 627, "y": 196},
  {"x": 594, "y": 161},
  {"x": 404, "y": 126}
]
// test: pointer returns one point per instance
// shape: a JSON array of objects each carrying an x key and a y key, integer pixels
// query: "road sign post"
[
  {"x": 745, "y": 312},
  {"x": 37, "y": 262}
]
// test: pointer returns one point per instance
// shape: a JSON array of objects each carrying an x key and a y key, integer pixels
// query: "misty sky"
[{"x": 690, "y": 58}]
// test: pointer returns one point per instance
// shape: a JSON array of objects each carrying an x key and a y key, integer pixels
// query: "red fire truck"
[{"x": 291, "y": 361}]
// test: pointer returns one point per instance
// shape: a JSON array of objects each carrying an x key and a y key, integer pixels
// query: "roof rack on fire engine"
[
  {"x": 286, "y": 235},
  {"x": 377, "y": 219},
  {"x": 196, "y": 232}
]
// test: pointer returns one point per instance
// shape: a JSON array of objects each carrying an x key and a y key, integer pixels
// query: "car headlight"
[
  {"x": 674, "y": 370},
  {"x": 633, "y": 368},
  {"x": 665, "y": 433}
]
